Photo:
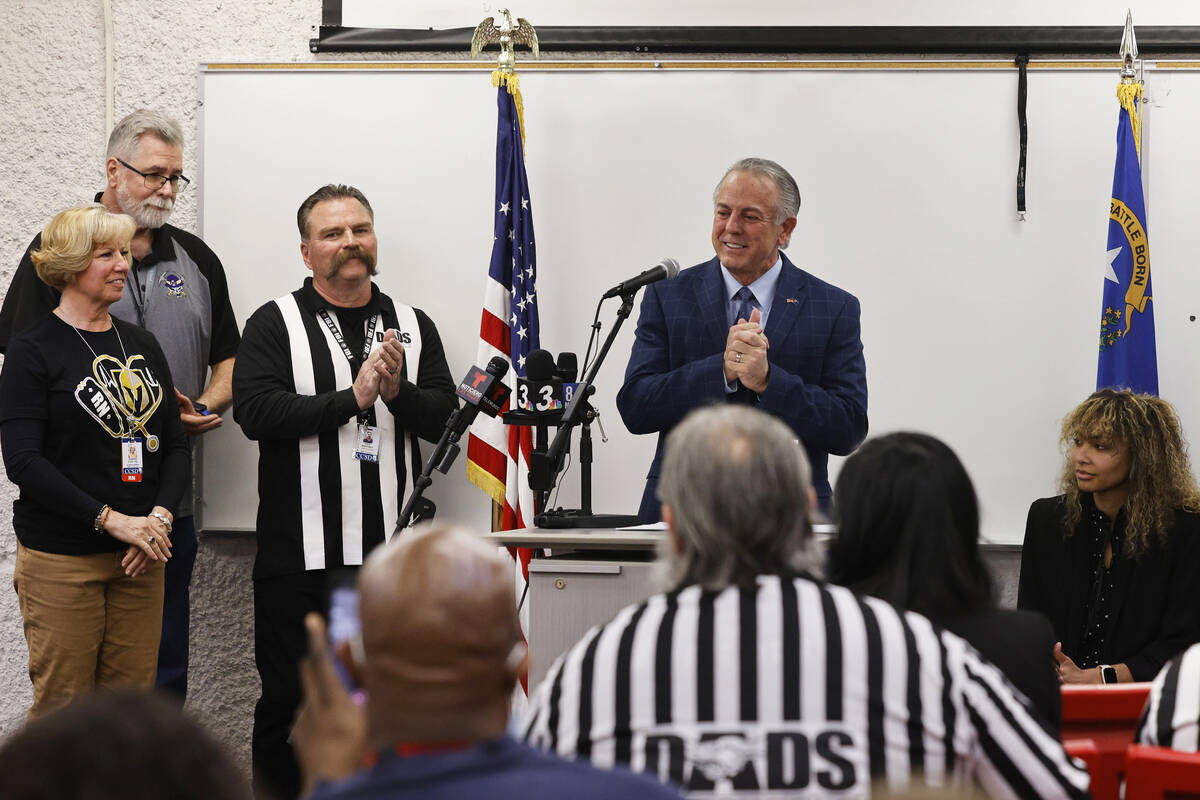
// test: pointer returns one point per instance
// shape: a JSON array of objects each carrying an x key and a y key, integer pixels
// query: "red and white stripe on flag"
[{"x": 498, "y": 455}]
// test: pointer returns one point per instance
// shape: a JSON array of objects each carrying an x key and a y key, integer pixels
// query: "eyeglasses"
[{"x": 155, "y": 181}]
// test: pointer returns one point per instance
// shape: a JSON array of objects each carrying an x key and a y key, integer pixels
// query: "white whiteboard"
[{"x": 977, "y": 328}]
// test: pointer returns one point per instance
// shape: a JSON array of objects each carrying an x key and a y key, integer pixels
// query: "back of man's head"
[
  {"x": 442, "y": 645},
  {"x": 117, "y": 746},
  {"x": 737, "y": 493}
]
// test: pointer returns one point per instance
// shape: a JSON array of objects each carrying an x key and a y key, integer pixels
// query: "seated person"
[
  {"x": 440, "y": 652},
  {"x": 1171, "y": 716},
  {"x": 908, "y": 532},
  {"x": 118, "y": 745},
  {"x": 750, "y": 677},
  {"x": 1114, "y": 561}
]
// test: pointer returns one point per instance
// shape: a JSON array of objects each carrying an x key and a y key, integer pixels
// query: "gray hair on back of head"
[
  {"x": 126, "y": 133},
  {"x": 737, "y": 482},
  {"x": 785, "y": 185}
]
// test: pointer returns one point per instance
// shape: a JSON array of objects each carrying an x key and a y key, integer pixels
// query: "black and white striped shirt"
[
  {"x": 794, "y": 687},
  {"x": 320, "y": 506},
  {"x": 1171, "y": 717}
]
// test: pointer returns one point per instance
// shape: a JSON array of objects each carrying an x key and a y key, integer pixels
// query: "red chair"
[
  {"x": 1156, "y": 773},
  {"x": 1107, "y": 715},
  {"x": 1087, "y": 752}
]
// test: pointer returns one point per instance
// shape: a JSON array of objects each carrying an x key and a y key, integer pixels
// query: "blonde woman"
[{"x": 91, "y": 435}]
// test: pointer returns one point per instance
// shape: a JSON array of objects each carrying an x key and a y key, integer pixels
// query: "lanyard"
[
  {"x": 140, "y": 299},
  {"x": 341, "y": 340}
]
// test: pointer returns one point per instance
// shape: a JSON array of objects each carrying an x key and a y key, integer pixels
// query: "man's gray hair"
[
  {"x": 785, "y": 184},
  {"x": 737, "y": 482},
  {"x": 125, "y": 135}
]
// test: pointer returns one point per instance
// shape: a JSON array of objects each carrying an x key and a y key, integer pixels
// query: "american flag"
[{"x": 498, "y": 455}]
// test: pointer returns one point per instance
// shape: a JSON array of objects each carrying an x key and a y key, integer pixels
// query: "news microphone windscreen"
[
  {"x": 485, "y": 389},
  {"x": 539, "y": 365},
  {"x": 498, "y": 366},
  {"x": 567, "y": 367}
]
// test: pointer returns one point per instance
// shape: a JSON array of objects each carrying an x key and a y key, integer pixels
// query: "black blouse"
[{"x": 1139, "y": 613}]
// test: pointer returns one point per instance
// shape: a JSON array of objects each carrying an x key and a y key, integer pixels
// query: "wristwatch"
[{"x": 1108, "y": 674}]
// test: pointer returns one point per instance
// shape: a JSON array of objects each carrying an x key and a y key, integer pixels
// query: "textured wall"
[{"x": 51, "y": 156}]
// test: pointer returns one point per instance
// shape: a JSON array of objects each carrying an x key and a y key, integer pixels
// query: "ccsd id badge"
[
  {"x": 131, "y": 459},
  {"x": 367, "y": 446}
]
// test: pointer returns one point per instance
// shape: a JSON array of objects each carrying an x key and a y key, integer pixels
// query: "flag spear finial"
[{"x": 1129, "y": 51}]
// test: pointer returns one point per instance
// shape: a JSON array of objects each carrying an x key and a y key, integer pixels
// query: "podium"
[{"x": 588, "y": 577}]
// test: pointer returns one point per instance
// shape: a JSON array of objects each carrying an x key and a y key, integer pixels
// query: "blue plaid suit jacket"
[{"x": 818, "y": 381}]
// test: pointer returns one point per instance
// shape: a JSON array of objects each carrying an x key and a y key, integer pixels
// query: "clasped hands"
[
  {"x": 746, "y": 354},
  {"x": 379, "y": 375},
  {"x": 147, "y": 537}
]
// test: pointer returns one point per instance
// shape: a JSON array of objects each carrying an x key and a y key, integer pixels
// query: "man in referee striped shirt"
[
  {"x": 337, "y": 384},
  {"x": 1171, "y": 717},
  {"x": 751, "y": 678}
]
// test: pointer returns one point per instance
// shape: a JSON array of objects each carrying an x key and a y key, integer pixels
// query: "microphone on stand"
[
  {"x": 665, "y": 270},
  {"x": 567, "y": 371},
  {"x": 482, "y": 390},
  {"x": 540, "y": 391}
]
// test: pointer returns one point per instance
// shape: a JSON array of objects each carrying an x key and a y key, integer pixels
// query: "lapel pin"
[{"x": 792, "y": 300}]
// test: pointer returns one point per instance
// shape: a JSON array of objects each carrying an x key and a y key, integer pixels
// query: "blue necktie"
[{"x": 745, "y": 297}]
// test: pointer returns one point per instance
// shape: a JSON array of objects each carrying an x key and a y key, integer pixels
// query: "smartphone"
[{"x": 344, "y": 623}]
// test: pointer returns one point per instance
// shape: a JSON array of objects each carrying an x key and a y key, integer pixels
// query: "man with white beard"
[{"x": 177, "y": 290}]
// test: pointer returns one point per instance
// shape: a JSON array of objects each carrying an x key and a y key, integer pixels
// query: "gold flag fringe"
[
  {"x": 510, "y": 82},
  {"x": 1129, "y": 95}
]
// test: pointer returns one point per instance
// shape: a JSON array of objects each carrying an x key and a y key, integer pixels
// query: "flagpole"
[{"x": 1127, "y": 348}]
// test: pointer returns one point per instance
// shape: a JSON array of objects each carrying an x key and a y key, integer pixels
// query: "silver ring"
[
  {"x": 150, "y": 540},
  {"x": 737, "y": 357}
]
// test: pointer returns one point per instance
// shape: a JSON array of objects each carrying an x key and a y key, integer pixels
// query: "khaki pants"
[{"x": 88, "y": 625}]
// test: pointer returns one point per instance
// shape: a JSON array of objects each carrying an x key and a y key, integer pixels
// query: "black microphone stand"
[
  {"x": 441, "y": 459},
  {"x": 546, "y": 467}
]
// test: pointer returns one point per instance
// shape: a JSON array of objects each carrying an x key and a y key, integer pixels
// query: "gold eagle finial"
[{"x": 507, "y": 35}]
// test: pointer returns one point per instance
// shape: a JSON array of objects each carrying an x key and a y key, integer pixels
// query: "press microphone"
[
  {"x": 482, "y": 390},
  {"x": 666, "y": 269},
  {"x": 539, "y": 365},
  {"x": 567, "y": 371},
  {"x": 540, "y": 391},
  {"x": 567, "y": 367}
]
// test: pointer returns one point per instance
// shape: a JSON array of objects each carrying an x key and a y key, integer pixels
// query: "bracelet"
[
  {"x": 101, "y": 518},
  {"x": 161, "y": 517}
]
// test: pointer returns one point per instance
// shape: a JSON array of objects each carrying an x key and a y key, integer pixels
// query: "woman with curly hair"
[{"x": 1114, "y": 561}]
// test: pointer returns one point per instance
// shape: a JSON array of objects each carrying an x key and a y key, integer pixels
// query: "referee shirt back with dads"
[{"x": 793, "y": 686}]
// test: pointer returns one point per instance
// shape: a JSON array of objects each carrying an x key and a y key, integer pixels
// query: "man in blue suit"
[{"x": 750, "y": 327}]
